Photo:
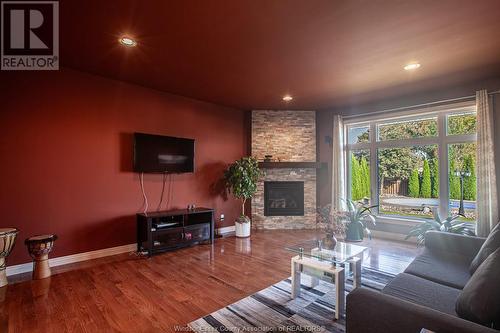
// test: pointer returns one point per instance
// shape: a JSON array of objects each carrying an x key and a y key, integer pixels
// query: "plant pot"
[
  {"x": 354, "y": 233},
  {"x": 242, "y": 227}
]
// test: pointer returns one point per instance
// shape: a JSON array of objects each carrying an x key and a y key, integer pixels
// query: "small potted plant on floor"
[
  {"x": 241, "y": 179},
  {"x": 357, "y": 219}
]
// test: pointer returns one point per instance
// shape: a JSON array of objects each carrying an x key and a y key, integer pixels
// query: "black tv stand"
[{"x": 169, "y": 230}]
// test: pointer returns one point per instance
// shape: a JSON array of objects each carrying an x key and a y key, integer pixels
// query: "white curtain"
[
  {"x": 338, "y": 163},
  {"x": 487, "y": 204}
]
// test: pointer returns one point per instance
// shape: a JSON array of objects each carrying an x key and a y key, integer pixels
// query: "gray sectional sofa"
[{"x": 424, "y": 295}]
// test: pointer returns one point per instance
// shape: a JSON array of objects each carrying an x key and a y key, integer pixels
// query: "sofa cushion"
[
  {"x": 423, "y": 292},
  {"x": 490, "y": 245},
  {"x": 479, "y": 301},
  {"x": 442, "y": 267}
]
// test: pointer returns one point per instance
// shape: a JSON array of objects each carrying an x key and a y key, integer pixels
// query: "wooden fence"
[{"x": 395, "y": 187}]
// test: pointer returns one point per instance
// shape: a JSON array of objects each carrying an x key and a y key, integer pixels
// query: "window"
[
  {"x": 421, "y": 162},
  {"x": 408, "y": 178},
  {"x": 407, "y": 129},
  {"x": 462, "y": 177},
  {"x": 359, "y": 134}
]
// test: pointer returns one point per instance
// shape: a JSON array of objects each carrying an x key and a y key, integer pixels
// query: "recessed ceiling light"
[
  {"x": 412, "y": 66},
  {"x": 287, "y": 98},
  {"x": 127, "y": 41}
]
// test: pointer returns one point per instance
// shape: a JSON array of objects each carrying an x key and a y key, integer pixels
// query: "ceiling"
[{"x": 249, "y": 53}]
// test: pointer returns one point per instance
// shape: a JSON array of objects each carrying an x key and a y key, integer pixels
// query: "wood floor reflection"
[{"x": 126, "y": 293}]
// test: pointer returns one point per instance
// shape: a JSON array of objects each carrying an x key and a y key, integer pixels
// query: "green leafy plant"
[
  {"x": 470, "y": 181},
  {"x": 360, "y": 177},
  {"x": 414, "y": 184},
  {"x": 425, "y": 187},
  {"x": 356, "y": 179},
  {"x": 435, "y": 179},
  {"x": 365, "y": 172},
  {"x": 241, "y": 179},
  {"x": 358, "y": 215},
  {"x": 451, "y": 224},
  {"x": 454, "y": 182}
]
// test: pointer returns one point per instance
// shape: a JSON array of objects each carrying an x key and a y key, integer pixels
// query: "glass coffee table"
[{"x": 337, "y": 263}]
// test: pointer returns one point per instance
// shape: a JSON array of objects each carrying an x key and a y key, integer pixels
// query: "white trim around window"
[{"x": 442, "y": 140}]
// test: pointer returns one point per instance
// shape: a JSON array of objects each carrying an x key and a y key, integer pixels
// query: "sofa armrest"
[
  {"x": 444, "y": 241},
  {"x": 374, "y": 312}
]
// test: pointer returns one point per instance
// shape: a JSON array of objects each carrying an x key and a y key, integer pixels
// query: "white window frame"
[{"x": 442, "y": 140}]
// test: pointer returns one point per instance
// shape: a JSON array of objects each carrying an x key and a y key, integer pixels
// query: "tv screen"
[{"x": 159, "y": 154}]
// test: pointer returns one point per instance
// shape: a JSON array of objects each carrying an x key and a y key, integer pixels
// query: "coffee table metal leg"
[
  {"x": 355, "y": 264},
  {"x": 339, "y": 292},
  {"x": 295, "y": 279}
]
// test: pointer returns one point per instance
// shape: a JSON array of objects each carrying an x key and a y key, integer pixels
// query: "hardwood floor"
[{"x": 126, "y": 293}]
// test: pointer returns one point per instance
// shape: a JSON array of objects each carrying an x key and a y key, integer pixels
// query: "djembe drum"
[
  {"x": 7, "y": 241},
  {"x": 39, "y": 248}
]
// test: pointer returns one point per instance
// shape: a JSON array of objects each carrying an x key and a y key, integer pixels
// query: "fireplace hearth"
[{"x": 284, "y": 198}]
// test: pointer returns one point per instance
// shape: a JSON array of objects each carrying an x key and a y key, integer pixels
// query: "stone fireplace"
[{"x": 286, "y": 194}]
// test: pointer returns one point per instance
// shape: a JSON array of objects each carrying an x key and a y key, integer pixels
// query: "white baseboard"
[
  {"x": 58, "y": 261},
  {"x": 28, "y": 267},
  {"x": 18, "y": 269},
  {"x": 226, "y": 230}
]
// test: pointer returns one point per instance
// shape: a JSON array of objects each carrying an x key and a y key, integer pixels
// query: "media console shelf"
[{"x": 168, "y": 230}]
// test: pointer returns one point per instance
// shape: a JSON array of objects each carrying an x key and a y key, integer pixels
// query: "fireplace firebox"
[{"x": 284, "y": 198}]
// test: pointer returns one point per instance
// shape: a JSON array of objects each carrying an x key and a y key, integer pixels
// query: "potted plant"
[
  {"x": 241, "y": 179},
  {"x": 332, "y": 223},
  {"x": 358, "y": 215},
  {"x": 450, "y": 224}
]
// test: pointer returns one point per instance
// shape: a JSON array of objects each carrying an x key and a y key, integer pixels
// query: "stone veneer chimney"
[{"x": 289, "y": 136}]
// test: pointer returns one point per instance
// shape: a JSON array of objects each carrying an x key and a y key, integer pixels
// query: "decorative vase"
[
  {"x": 329, "y": 241},
  {"x": 242, "y": 227}
]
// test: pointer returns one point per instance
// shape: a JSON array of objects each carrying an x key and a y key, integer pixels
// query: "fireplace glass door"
[{"x": 284, "y": 198}]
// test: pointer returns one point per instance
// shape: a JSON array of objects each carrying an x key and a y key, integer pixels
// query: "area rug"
[{"x": 273, "y": 310}]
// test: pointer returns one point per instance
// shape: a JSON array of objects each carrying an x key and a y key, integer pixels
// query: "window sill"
[
  {"x": 399, "y": 220},
  {"x": 401, "y": 225}
]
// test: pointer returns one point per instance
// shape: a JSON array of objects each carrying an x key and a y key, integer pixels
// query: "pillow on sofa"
[
  {"x": 479, "y": 301},
  {"x": 490, "y": 245}
]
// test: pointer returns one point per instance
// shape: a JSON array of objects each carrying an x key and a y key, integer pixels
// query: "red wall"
[{"x": 66, "y": 156}]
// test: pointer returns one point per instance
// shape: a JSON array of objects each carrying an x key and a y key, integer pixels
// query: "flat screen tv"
[{"x": 163, "y": 154}]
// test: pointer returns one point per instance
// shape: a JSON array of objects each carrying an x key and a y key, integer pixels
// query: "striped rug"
[{"x": 272, "y": 309}]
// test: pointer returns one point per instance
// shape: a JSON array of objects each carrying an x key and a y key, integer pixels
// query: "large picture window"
[{"x": 413, "y": 163}]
